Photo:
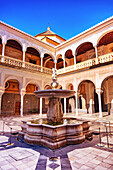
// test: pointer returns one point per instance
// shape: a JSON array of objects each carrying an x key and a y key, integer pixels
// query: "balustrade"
[
  {"x": 26, "y": 65},
  {"x": 88, "y": 63},
  {"x": 82, "y": 65}
]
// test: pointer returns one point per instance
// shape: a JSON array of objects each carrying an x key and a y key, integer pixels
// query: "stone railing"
[
  {"x": 79, "y": 66},
  {"x": 26, "y": 65},
  {"x": 86, "y": 64}
]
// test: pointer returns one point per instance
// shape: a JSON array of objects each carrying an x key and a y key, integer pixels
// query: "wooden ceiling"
[
  {"x": 106, "y": 39},
  {"x": 84, "y": 47}
]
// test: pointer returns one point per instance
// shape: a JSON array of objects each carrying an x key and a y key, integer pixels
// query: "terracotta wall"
[
  {"x": 14, "y": 53},
  {"x": 50, "y": 64},
  {"x": 0, "y": 49},
  {"x": 32, "y": 57}
]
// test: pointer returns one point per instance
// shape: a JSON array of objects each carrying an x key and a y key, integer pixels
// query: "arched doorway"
[
  {"x": 13, "y": 49},
  {"x": 31, "y": 102},
  {"x": 88, "y": 99},
  {"x": 107, "y": 95},
  {"x": 11, "y": 100}
]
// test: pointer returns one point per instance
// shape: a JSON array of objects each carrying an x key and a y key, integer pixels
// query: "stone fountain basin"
[
  {"x": 49, "y": 93},
  {"x": 54, "y": 137}
]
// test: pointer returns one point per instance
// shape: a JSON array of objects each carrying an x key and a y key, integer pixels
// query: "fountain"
[{"x": 55, "y": 131}]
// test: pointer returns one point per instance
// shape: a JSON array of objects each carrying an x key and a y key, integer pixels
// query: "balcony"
[
  {"x": 80, "y": 66},
  {"x": 87, "y": 64},
  {"x": 25, "y": 65}
]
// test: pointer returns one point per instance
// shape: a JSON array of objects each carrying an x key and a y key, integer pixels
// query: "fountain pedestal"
[
  {"x": 55, "y": 113},
  {"x": 55, "y": 136}
]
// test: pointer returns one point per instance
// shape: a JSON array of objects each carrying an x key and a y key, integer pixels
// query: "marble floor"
[{"x": 21, "y": 156}]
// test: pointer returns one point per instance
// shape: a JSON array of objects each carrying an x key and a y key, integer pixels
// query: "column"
[
  {"x": 75, "y": 62},
  {"x": 55, "y": 64},
  {"x": 22, "y": 101},
  {"x": 42, "y": 62},
  {"x": 76, "y": 96},
  {"x": 3, "y": 51},
  {"x": 40, "y": 106},
  {"x": 24, "y": 51},
  {"x": 96, "y": 53},
  {"x": 64, "y": 64},
  {"x": 1, "y": 93},
  {"x": 91, "y": 106},
  {"x": 64, "y": 105},
  {"x": 99, "y": 92}
]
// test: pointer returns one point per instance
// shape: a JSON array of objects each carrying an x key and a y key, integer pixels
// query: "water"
[{"x": 65, "y": 121}]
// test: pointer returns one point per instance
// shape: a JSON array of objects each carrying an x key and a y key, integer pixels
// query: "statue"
[
  {"x": 54, "y": 75},
  {"x": 54, "y": 84}
]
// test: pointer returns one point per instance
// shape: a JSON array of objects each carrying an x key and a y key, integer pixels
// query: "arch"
[
  {"x": 69, "y": 54},
  {"x": 69, "y": 57},
  {"x": 48, "y": 55},
  {"x": 11, "y": 99},
  {"x": 70, "y": 86},
  {"x": 32, "y": 82},
  {"x": 84, "y": 52},
  {"x": 30, "y": 88},
  {"x": 85, "y": 79},
  {"x": 106, "y": 76},
  {"x": 13, "y": 78},
  {"x": 60, "y": 63},
  {"x": 107, "y": 94},
  {"x": 87, "y": 97},
  {"x": 48, "y": 61},
  {"x": 82, "y": 48},
  {"x": 32, "y": 56},
  {"x": 47, "y": 87},
  {"x": 58, "y": 56},
  {"x": 13, "y": 49},
  {"x": 35, "y": 49},
  {"x": 19, "y": 42},
  {"x": 106, "y": 32}
]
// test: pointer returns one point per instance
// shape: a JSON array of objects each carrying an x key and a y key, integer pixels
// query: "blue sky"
[{"x": 65, "y": 18}]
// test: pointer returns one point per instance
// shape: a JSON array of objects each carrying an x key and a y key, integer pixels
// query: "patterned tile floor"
[{"x": 22, "y": 156}]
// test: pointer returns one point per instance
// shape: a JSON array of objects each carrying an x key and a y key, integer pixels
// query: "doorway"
[{"x": 17, "y": 108}]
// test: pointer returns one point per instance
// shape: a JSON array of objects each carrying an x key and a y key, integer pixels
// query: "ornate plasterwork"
[{"x": 5, "y": 36}]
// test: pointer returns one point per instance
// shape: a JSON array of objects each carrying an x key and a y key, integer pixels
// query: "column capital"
[
  {"x": 42, "y": 55},
  {"x": 99, "y": 91},
  {"x": 23, "y": 91},
  {"x": 4, "y": 40},
  {"x": 24, "y": 48},
  {"x": 2, "y": 89}
]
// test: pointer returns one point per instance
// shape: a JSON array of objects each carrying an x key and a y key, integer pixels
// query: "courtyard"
[{"x": 16, "y": 154}]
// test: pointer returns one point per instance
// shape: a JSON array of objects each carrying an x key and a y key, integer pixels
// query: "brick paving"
[{"x": 22, "y": 156}]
